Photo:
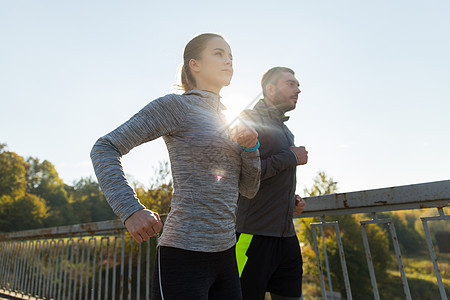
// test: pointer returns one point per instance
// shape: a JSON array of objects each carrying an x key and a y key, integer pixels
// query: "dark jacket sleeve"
[{"x": 272, "y": 164}]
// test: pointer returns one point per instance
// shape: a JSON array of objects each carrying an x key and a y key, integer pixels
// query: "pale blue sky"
[{"x": 375, "y": 79}]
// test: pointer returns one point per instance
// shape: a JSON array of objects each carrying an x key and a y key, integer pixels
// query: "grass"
[
  {"x": 422, "y": 280},
  {"x": 419, "y": 272}
]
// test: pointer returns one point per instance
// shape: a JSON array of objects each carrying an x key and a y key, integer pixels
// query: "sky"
[{"x": 375, "y": 79}]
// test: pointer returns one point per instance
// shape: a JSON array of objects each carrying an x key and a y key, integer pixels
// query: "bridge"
[{"x": 101, "y": 261}]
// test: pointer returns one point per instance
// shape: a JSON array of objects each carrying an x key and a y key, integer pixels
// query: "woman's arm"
[
  {"x": 250, "y": 174},
  {"x": 247, "y": 138},
  {"x": 160, "y": 117}
]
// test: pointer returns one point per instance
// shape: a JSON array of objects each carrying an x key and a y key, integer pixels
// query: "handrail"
[
  {"x": 94, "y": 228},
  {"x": 415, "y": 196}
]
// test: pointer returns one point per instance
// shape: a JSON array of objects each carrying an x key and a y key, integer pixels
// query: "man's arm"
[{"x": 276, "y": 163}]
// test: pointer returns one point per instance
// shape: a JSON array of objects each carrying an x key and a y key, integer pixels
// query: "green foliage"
[
  {"x": 21, "y": 213},
  {"x": 19, "y": 210},
  {"x": 322, "y": 185},
  {"x": 44, "y": 181},
  {"x": 13, "y": 170},
  {"x": 88, "y": 203},
  {"x": 158, "y": 197},
  {"x": 32, "y": 195},
  {"x": 409, "y": 239}
]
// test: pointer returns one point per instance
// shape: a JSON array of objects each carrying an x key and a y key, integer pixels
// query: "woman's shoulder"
[{"x": 170, "y": 101}]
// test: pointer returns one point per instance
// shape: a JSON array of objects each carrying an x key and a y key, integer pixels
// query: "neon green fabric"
[{"x": 242, "y": 246}]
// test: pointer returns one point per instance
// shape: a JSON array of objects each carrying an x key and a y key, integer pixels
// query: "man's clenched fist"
[
  {"x": 301, "y": 153},
  {"x": 300, "y": 205}
]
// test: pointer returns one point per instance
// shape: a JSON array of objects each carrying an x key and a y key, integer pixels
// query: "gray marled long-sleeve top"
[{"x": 208, "y": 168}]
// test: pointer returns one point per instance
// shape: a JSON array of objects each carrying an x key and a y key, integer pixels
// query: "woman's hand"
[
  {"x": 143, "y": 225},
  {"x": 245, "y": 135}
]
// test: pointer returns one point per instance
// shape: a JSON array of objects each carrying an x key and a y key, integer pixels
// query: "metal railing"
[
  {"x": 88, "y": 261},
  {"x": 418, "y": 196},
  {"x": 101, "y": 261}
]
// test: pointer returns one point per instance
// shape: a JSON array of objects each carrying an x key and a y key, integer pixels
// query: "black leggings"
[{"x": 195, "y": 275}]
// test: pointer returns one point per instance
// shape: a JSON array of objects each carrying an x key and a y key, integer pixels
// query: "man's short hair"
[{"x": 272, "y": 76}]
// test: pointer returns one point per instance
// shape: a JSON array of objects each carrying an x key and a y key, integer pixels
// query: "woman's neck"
[{"x": 208, "y": 87}]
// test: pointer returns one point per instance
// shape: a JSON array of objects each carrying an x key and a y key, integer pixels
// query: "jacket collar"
[
  {"x": 212, "y": 99},
  {"x": 270, "y": 111}
]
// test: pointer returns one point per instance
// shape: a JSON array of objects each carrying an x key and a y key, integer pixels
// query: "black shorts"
[
  {"x": 269, "y": 264},
  {"x": 192, "y": 275}
]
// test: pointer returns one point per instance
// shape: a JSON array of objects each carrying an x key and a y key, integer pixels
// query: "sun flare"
[{"x": 235, "y": 104}]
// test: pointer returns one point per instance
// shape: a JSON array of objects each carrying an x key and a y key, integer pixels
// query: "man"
[{"x": 268, "y": 251}]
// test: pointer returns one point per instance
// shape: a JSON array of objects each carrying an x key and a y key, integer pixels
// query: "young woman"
[{"x": 210, "y": 166}]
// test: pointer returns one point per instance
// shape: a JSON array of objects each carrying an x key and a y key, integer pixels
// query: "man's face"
[{"x": 285, "y": 92}]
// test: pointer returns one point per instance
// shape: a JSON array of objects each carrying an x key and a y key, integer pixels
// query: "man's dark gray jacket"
[{"x": 270, "y": 212}]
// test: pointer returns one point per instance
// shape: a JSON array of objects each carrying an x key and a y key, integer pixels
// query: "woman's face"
[{"x": 214, "y": 69}]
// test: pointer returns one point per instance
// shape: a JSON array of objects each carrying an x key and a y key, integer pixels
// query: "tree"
[
  {"x": 88, "y": 203},
  {"x": 19, "y": 210},
  {"x": 13, "y": 170},
  {"x": 44, "y": 181},
  {"x": 352, "y": 243},
  {"x": 22, "y": 213},
  {"x": 157, "y": 199},
  {"x": 409, "y": 239},
  {"x": 158, "y": 196},
  {"x": 322, "y": 185}
]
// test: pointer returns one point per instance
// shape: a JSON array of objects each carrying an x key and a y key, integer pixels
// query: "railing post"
[
  {"x": 373, "y": 279},
  {"x": 399, "y": 260},
  {"x": 437, "y": 272},
  {"x": 3, "y": 252},
  {"x": 31, "y": 268},
  {"x": 319, "y": 262},
  {"x": 79, "y": 248},
  {"x": 113, "y": 296},
  {"x": 147, "y": 268},
  {"x": 341, "y": 256},
  {"x": 343, "y": 263},
  {"x": 37, "y": 262},
  {"x": 130, "y": 270},
  {"x": 41, "y": 267},
  {"x": 398, "y": 254},
  {"x": 23, "y": 269},
  {"x": 94, "y": 255},
  {"x": 122, "y": 268},
  {"x": 53, "y": 265},
  {"x": 52, "y": 262},
  {"x": 325, "y": 256},
  {"x": 107, "y": 268},
  {"x": 100, "y": 269}
]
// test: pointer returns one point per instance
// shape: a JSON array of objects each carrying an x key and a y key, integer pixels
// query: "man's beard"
[{"x": 281, "y": 103}]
